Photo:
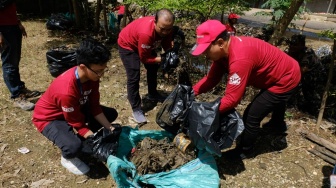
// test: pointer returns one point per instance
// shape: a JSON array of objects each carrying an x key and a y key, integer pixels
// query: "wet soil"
[{"x": 154, "y": 156}]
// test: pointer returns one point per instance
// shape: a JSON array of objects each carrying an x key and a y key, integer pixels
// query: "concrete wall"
[
  {"x": 316, "y": 6},
  {"x": 319, "y": 6}
]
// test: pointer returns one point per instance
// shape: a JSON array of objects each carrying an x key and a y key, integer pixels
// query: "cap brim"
[{"x": 198, "y": 49}]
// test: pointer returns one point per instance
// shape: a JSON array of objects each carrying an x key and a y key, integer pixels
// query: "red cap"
[
  {"x": 232, "y": 16},
  {"x": 206, "y": 33}
]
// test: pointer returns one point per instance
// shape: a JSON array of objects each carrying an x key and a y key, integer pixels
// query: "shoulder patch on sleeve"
[
  {"x": 234, "y": 79},
  {"x": 145, "y": 46},
  {"x": 67, "y": 109}
]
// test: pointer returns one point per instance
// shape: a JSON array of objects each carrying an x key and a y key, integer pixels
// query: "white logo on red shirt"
[
  {"x": 145, "y": 46},
  {"x": 65, "y": 109},
  {"x": 200, "y": 36},
  {"x": 87, "y": 92},
  {"x": 234, "y": 79}
]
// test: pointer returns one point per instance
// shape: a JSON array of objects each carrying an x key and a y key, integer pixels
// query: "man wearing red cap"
[
  {"x": 248, "y": 62},
  {"x": 232, "y": 19},
  {"x": 137, "y": 43}
]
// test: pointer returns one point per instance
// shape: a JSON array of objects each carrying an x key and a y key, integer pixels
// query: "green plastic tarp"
[{"x": 200, "y": 172}]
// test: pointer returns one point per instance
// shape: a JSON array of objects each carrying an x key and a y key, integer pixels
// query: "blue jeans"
[{"x": 10, "y": 56}]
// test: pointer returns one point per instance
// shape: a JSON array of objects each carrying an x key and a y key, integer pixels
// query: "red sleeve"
[
  {"x": 214, "y": 76},
  {"x": 72, "y": 113},
  {"x": 116, "y": 8},
  {"x": 145, "y": 49},
  {"x": 236, "y": 84},
  {"x": 8, "y": 15}
]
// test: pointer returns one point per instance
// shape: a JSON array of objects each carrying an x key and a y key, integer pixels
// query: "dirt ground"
[{"x": 292, "y": 167}]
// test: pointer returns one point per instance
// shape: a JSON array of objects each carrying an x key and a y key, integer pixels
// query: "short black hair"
[
  {"x": 162, "y": 12},
  {"x": 91, "y": 51},
  {"x": 223, "y": 35},
  {"x": 298, "y": 40}
]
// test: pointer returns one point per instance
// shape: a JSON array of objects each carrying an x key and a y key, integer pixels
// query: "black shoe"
[
  {"x": 156, "y": 97},
  {"x": 279, "y": 142},
  {"x": 29, "y": 93},
  {"x": 240, "y": 153},
  {"x": 274, "y": 128}
]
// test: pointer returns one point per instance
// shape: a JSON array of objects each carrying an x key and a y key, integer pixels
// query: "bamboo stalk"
[
  {"x": 322, "y": 156},
  {"x": 318, "y": 140}
]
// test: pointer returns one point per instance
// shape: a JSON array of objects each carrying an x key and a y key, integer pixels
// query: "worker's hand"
[
  {"x": 87, "y": 134},
  {"x": 169, "y": 60},
  {"x": 23, "y": 30}
]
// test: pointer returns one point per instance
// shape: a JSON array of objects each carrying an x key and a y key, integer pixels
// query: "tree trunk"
[
  {"x": 70, "y": 5},
  {"x": 86, "y": 12},
  {"x": 78, "y": 15},
  {"x": 281, "y": 27},
  {"x": 257, "y": 4},
  {"x": 40, "y": 7},
  {"x": 97, "y": 16},
  {"x": 326, "y": 91},
  {"x": 126, "y": 15},
  {"x": 222, "y": 16},
  {"x": 105, "y": 18}
]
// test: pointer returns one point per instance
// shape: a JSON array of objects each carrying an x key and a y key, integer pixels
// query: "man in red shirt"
[
  {"x": 11, "y": 32},
  {"x": 72, "y": 103},
  {"x": 137, "y": 43},
  {"x": 232, "y": 19},
  {"x": 248, "y": 62},
  {"x": 121, "y": 12}
]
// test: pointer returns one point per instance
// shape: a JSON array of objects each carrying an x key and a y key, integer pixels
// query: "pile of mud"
[{"x": 154, "y": 156}]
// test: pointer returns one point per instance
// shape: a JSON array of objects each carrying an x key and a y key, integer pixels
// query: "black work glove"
[{"x": 103, "y": 143}]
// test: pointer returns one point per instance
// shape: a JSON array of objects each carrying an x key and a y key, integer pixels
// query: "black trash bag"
[
  {"x": 169, "y": 60},
  {"x": 203, "y": 122},
  {"x": 59, "y": 22},
  {"x": 60, "y": 59},
  {"x": 174, "y": 110},
  {"x": 231, "y": 126},
  {"x": 103, "y": 143},
  {"x": 5, "y": 3}
]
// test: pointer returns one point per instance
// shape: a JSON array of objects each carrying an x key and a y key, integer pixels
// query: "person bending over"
[{"x": 248, "y": 62}]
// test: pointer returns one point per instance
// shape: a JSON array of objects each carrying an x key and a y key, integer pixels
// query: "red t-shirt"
[
  {"x": 251, "y": 62},
  {"x": 64, "y": 100},
  {"x": 140, "y": 36},
  {"x": 121, "y": 9},
  {"x": 8, "y": 15},
  {"x": 230, "y": 29}
]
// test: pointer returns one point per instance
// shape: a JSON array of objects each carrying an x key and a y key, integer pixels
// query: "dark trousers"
[
  {"x": 131, "y": 61},
  {"x": 63, "y": 135},
  {"x": 263, "y": 104},
  {"x": 120, "y": 16},
  {"x": 10, "y": 56}
]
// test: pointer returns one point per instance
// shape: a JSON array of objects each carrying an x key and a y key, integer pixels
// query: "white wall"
[{"x": 319, "y": 6}]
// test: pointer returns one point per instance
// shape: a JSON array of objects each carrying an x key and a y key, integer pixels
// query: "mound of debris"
[{"x": 154, "y": 156}]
